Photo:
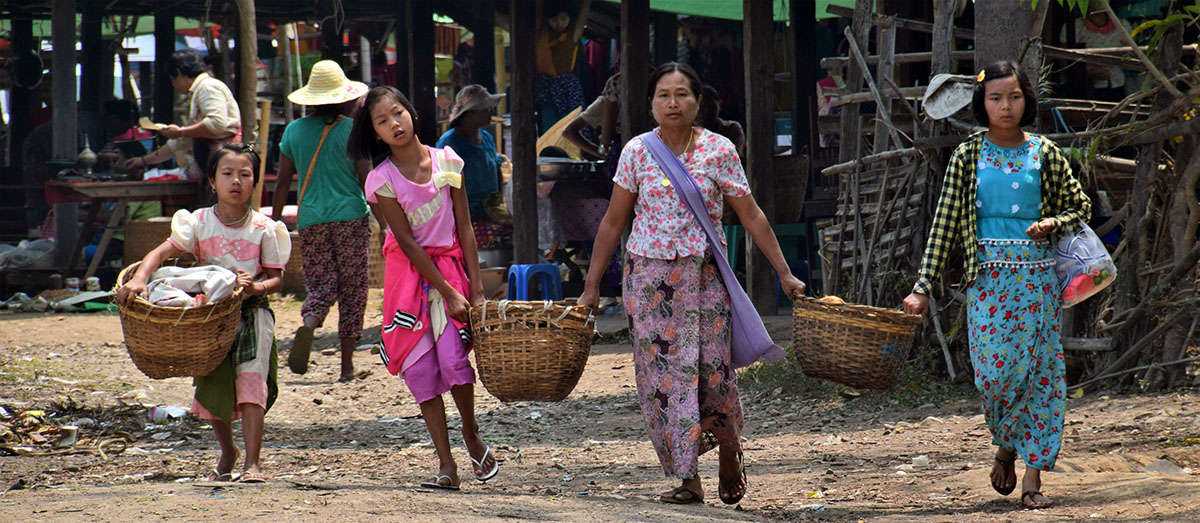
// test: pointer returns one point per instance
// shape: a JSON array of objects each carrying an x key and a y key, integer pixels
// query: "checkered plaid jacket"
[{"x": 954, "y": 220}]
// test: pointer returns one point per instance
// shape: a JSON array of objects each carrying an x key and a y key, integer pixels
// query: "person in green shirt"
[{"x": 332, "y": 217}]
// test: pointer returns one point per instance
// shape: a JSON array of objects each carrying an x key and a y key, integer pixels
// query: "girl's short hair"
[
  {"x": 363, "y": 143},
  {"x": 675, "y": 67},
  {"x": 226, "y": 149},
  {"x": 996, "y": 71}
]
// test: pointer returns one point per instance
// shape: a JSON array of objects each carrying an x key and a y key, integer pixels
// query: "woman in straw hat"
[
  {"x": 481, "y": 164},
  {"x": 332, "y": 219}
]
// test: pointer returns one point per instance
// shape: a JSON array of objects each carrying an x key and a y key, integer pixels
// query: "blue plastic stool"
[{"x": 549, "y": 278}]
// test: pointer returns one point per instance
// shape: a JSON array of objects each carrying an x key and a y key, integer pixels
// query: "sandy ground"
[{"x": 358, "y": 451}]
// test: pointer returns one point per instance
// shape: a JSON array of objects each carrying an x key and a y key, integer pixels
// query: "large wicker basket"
[
  {"x": 293, "y": 272},
  {"x": 531, "y": 350},
  {"x": 855, "y": 345},
  {"x": 166, "y": 342}
]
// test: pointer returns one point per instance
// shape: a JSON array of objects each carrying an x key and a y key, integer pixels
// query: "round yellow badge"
[{"x": 666, "y": 182}]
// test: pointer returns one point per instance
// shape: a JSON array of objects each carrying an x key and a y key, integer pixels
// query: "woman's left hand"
[
  {"x": 792, "y": 286},
  {"x": 1040, "y": 228},
  {"x": 477, "y": 296}
]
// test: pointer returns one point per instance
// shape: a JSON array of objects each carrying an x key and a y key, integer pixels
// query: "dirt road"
[{"x": 357, "y": 451}]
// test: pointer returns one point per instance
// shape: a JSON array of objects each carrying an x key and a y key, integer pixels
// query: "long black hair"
[
  {"x": 996, "y": 71},
  {"x": 363, "y": 142}
]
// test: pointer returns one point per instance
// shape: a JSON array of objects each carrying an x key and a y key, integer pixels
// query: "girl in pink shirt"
[{"x": 431, "y": 272}]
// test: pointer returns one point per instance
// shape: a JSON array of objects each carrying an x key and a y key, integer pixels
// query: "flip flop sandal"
[
  {"x": 437, "y": 483},
  {"x": 483, "y": 478},
  {"x": 673, "y": 498},
  {"x": 255, "y": 477},
  {"x": 1032, "y": 504},
  {"x": 301, "y": 350},
  {"x": 1005, "y": 464},
  {"x": 722, "y": 490},
  {"x": 216, "y": 475}
]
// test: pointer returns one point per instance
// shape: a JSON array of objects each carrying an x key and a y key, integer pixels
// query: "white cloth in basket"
[{"x": 174, "y": 286}]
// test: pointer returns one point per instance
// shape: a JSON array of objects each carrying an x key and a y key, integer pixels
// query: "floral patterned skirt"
[
  {"x": 679, "y": 324},
  {"x": 1013, "y": 321}
]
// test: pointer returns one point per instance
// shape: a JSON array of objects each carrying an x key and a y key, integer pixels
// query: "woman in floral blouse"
[
  {"x": 1004, "y": 193},
  {"x": 678, "y": 306}
]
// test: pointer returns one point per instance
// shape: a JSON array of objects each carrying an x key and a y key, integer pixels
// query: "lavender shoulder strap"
[{"x": 750, "y": 341}]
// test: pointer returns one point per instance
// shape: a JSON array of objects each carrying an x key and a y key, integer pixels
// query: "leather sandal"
[
  {"x": 1006, "y": 465},
  {"x": 1030, "y": 494}
]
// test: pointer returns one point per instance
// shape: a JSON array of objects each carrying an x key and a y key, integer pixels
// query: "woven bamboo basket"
[
  {"x": 293, "y": 272},
  {"x": 855, "y": 345},
  {"x": 167, "y": 342},
  {"x": 531, "y": 350},
  {"x": 142, "y": 236}
]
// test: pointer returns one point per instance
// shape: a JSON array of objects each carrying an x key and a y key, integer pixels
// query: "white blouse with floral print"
[{"x": 663, "y": 227}]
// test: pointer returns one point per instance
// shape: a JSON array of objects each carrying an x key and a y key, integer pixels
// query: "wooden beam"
[
  {"x": 850, "y": 134},
  {"x": 20, "y": 110},
  {"x": 943, "y": 40},
  {"x": 635, "y": 61},
  {"x": 900, "y": 58},
  {"x": 247, "y": 77},
  {"x": 666, "y": 37},
  {"x": 903, "y": 23},
  {"x": 164, "y": 47},
  {"x": 65, "y": 146},
  {"x": 759, "y": 34},
  {"x": 484, "y": 67},
  {"x": 523, "y": 38},
  {"x": 400, "y": 36},
  {"x": 91, "y": 94},
  {"x": 421, "y": 68},
  {"x": 1093, "y": 57},
  {"x": 332, "y": 47},
  {"x": 1002, "y": 27},
  {"x": 802, "y": 30}
]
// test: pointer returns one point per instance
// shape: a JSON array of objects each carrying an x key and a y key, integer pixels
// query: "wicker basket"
[
  {"x": 142, "y": 236},
  {"x": 855, "y": 345},
  {"x": 531, "y": 350},
  {"x": 167, "y": 342},
  {"x": 293, "y": 272}
]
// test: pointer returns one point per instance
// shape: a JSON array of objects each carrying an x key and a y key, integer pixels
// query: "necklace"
[
  {"x": 235, "y": 223},
  {"x": 691, "y": 136}
]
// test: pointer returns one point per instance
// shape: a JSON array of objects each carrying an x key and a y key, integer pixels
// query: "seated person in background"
[
  {"x": 1095, "y": 31},
  {"x": 212, "y": 119},
  {"x": 472, "y": 111},
  {"x": 98, "y": 129},
  {"x": 709, "y": 118},
  {"x": 602, "y": 115}
]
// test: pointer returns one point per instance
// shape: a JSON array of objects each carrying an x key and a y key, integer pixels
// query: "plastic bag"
[{"x": 1083, "y": 265}]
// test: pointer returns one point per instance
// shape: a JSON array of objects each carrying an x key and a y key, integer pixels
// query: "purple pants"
[
  {"x": 335, "y": 270},
  {"x": 439, "y": 365}
]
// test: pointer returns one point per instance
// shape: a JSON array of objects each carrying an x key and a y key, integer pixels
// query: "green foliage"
[{"x": 1082, "y": 5}]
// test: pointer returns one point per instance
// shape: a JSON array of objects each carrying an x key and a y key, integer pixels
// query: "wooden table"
[{"x": 122, "y": 193}]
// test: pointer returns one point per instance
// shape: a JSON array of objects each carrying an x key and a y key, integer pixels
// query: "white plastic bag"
[{"x": 1083, "y": 265}]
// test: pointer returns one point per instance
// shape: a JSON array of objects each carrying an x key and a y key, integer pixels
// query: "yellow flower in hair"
[
  {"x": 448, "y": 171},
  {"x": 982, "y": 74}
]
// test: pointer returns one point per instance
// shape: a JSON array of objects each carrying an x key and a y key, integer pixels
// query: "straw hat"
[
  {"x": 473, "y": 97},
  {"x": 947, "y": 94},
  {"x": 327, "y": 84}
]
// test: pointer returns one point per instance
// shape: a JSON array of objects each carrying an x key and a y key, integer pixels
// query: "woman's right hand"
[
  {"x": 589, "y": 298},
  {"x": 916, "y": 304},
  {"x": 458, "y": 307},
  {"x": 127, "y": 292}
]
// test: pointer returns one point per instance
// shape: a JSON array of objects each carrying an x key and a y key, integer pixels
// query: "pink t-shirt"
[
  {"x": 260, "y": 243},
  {"x": 430, "y": 209},
  {"x": 663, "y": 228}
]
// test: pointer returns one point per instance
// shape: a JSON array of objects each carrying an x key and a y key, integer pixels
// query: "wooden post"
[
  {"x": 758, "y": 23},
  {"x": 247, "y": 77},
  {"x": 64, "y": 147},
  {"x": 164, "y": 47},
  {"x": 851, "y": 122},
  {"x": 283, "y": 35},
  {"x": 522, "y": 34},
  {"x": 943, "y": 36},
  {"x": 21, "y": 107},
  {"x": 422, "y": 72},
  {"x": 484, "y": 68},
  {"x": 635, "y": 61},
  {"x": 1000, "y": 28},
  {"x": 331, "y": 37},
  {"x": 364, "y": 58},
  {"x": 886, "y": 40},
  {"x": 804, "y": 107},
  {"x": 501, "y": 74},
  {"x": 666, "y": 37},
  {"x": 92, "y": 61},
  {"x": 401, "y": 43}
]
